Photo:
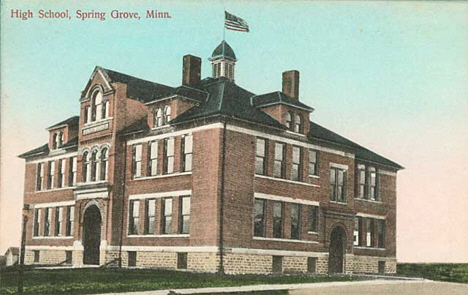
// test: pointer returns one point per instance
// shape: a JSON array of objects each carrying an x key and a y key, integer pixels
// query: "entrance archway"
[
  {"x": 337, "y": 250},
  {"x": 91, "y": 235}
]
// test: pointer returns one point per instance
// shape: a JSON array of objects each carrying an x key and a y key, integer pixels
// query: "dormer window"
[
  {"x": 54, "y": 141},
  {"x": 60, "y": 139},
  {"x": 294, "y": 122},
  {"x": 289, "y": 117},
  {"x": 167, "y": 115},
  {"x": 158, "y": 118},
  {"x": 298, "y": 123}
]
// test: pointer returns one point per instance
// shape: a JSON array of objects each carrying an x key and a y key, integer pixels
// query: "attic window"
[
  {"x": 99, "y": 108},
  {"x": 294, "y": 122}
]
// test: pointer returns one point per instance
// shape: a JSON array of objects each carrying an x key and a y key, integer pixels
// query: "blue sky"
[{"x": 392, "y": 76}]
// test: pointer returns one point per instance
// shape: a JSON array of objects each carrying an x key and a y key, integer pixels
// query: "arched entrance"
[
  {"x": 91, "y": 235},
  {"x": 337, "y": 250}
]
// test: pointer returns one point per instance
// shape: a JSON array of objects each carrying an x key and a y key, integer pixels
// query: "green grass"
[
  {"x": 88, "y": 281},
  {"x": 278, "y": 292},
  {"x": 436, "y": 271}
]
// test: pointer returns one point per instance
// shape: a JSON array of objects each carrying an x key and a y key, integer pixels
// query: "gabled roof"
[
  {"x": 139, "y": 89},
  {"x": 223, "y": 50},
  {"x": 72, "y": 121},
  {"x": 13, "y": 250},
  {"x": 278, "y": 97},
  {"x": 226, "y": 99},
  {"x": 362, "y": 153},
  {"x": 43, "y": 149}
]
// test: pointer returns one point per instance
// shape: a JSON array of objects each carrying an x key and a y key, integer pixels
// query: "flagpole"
[{"x": 224, "y": 26}]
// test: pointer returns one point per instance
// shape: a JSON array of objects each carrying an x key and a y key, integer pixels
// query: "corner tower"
[{"x": 223, "y": 61}]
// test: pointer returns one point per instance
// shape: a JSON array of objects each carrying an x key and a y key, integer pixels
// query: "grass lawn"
[
  {"x": 436, "y": 271},
  {"x": 87, "y": 281}
]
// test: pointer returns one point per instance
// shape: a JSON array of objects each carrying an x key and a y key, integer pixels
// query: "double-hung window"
[
  {"x": 261, "y": 156},
  {"x": 278, "y": 213},
  {"x": 47, "y": 221},
  {"x": 70, "y": 220},
  {"x": 104, "y": 164},
  {"x": 296, "y": 167},
  {"x": 150, "y": 216},
  {"x": 279, "y": 165},
  {"x": 338, "y": 179},
  {"x": 39, "y": 176},
  {"x": 61, "y": 175},
  {"x": 166, "y": 210},
  {"x": 168, "y": 155},
  {"x": 259, "y": 217},
  {"x": 37, "y": 222},
  {"x": 134, "y": 220},
  {"x": 313, "y": 163},
  {"x": 372, "y": 184},
  {"x": 152, "y": 158},
  {"x": 369, "y": 232},
  {"x": 136, "y": 161},
  {"x": 312, "y": 219},
  {"x": 72, "y": 174},
  {"x": 58, "y": 221},
  {"x": 184, "y": 215},
  {"x": 357, "y": 231},
  {"x": 50, "y": 174},
  {"x": 186, "y": 148},
  {"x": 362, "y": 182},
  {"x": 295, "y": 221}
]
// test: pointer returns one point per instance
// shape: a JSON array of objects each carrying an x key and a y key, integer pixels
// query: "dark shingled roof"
[
  {"x": 363, "y": 153},
  {"x": 223, "y": 51},
  {"x": 138, "y": 126},
  {"x": 44, "y": 149},
  {"x": 140, "y": 89},
  {"x": 228, "y": 99},
  {"x": 70, "y": 121},
  {"x": 72, "y": 142},
  {"x": 192, "y": 93},
  {"x": 278, "y": 97}
]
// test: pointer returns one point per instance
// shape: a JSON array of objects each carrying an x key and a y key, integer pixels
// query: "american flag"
[{"x": 235, "y": 23}]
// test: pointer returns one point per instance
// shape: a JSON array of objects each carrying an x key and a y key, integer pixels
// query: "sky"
[{"x": 392, "y": 76}]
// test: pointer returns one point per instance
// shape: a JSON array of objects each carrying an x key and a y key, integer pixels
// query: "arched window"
[
  {"x": 93, "y": 165},
  {"x": 105, "y": 109},
  {"x": 289, "y": 120},
  {"x": 54, "y": 141},
  {"x": 96, "y": 105},
  {"x": 167, "y": 115},
  {"x": 298, "y": 123},
  {"x": 104, "y": 164},
  {"x": 85, "y": 167},
  {"x": 158, "y": 118},
  {"x": 60, "y": 139}
]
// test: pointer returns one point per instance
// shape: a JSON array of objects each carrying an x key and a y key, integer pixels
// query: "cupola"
[{"x": 223, "y": 61}]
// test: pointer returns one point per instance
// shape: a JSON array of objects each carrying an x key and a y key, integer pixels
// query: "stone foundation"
[
  {"x": 370, "y": 264},
  {"x": 48, "y": 257},
  {"x": 234, "y": 262}
]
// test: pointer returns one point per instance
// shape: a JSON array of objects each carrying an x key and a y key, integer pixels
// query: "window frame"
[
  {"x": 136, "y": 160},
  {"x": 86, "y": 172},
  {"x": 294, "y": 164},
  {"x": 296, "y": 229},
  {"x": 58, "y": 221},
  {"x": 37, "y": 223},
  {"x": 186, "y": 158},
  {"x": 40, "y": 176},
  {"x": 150, "y": 219},
  {"x": 47, "y": 221},
  {"x": 166, "y": 218},
  {"x": 152, "y": 162},
  {"x": 334, "y": 186},
  {"x": 134, "y": 217},
  {"x": 264, "y": 157},
  {"x": 168, "y": 160},
  {"x": 282, "y": 162},
  {"x": 276, "y": 234},
  {"x": 312, "y": 219},
  {"x": 263, "y": 213},
  {"x": 104, "y": 159},
  {"x": 357, "y": 233},
  {"x": 69, "y": 230},
  {"x": 182, "y": 221},
  {"x": 314, "y": 163},
  {"x": 50, "y": 174},
  {"x": 61, "y": 175},
  {"x": 72, "y": 171}
]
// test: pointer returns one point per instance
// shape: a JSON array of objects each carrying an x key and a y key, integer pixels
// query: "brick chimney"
[
  {"x": 191, "y": 70},
  {"x": 291, "y": 84}
]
